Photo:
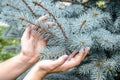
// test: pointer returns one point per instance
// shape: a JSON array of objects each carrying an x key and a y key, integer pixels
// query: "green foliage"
[
  {"x": 101, "y": 4},
  {"x": 5, "y": 42}
]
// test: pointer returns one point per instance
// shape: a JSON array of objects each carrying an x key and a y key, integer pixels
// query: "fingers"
[
  {"x": 38, "y": 30},
  {"x": 66, "y": 65},
  {"x": 26, "y": 33},
  {"x": 43, "y": 18},
  {"x": 72, "y": 61},
  {"x": 72, "y": 55},
  {"x": 86, "y": 51},
  {"x": 79, "y": 57},
  {"x": 83, "y": 52},
  {"x": 50, "y": 24},
  {"x": 76, "y": 60},
  {"x": 59, "y": 61},
  {"x": 36, "y": 33}
]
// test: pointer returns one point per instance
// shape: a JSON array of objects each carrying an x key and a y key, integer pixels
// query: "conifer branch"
[
  {"x": 42, "y": 29},
  {"x": 59, "y": 25},
  {"x": 13, "y": 7},
  {"x": 29, "y": 8},
  {"x": 48, "y": 56}
]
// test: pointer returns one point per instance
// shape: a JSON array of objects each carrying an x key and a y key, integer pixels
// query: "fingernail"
[
  {"x": 87, "y": 48},
  {"x": 65, "y": 57}
]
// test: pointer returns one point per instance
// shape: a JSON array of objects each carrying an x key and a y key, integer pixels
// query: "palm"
[
  {"x": 53, "y": 66},
  {"x": 31, "y": 40}
]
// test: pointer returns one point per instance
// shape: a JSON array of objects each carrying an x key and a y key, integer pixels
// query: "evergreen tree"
[{"x": 78, "y": 25}]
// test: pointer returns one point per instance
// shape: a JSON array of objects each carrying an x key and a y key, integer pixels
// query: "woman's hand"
[
  {"x": 31, "y": 41},
  {"x": 42, "y": 68}
]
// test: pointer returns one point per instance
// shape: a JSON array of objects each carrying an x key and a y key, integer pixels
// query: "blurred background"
[{"x": 7, "y": 43}]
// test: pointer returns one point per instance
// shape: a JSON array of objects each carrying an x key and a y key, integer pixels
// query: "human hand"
[
  {"x": 42, "y": 68},
  {"x": 63, "y": 63},
  {"x": 31, "y": 41}
]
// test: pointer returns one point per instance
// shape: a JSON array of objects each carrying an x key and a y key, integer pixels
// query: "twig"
[
  {"x": 59, "y": 25},
  {"x": 13, "y": 7},
  {"x": 29, "y": 8},
  {"x": 42, "y": 29},
  {"x": 84, "y": 21},
  {"x": 55, "y": 55}
]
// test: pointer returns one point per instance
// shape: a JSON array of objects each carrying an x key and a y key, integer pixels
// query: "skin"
[
  {"x": 42, "y": 68},
  {"x": 23, "y": 61},
  {"x": 31, "y": 41},
  {"x": 27, "y": 57}
]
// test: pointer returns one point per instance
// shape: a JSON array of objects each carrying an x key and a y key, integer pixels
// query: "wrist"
[
  {"x": 39, "y": 72},
  {"x": 28, "y": 59},
  {"x": 35, "y": 74}
]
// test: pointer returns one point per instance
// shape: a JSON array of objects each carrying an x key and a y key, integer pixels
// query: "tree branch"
[
  {"x": 13, "y": 7},
  {"x": 42, "y": 29},
  {"x": 59, "y": 25},
  {"x": 29, "y": 8}
]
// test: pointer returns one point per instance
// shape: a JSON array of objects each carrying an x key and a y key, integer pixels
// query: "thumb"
[{"x": 60, "y": 61}]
